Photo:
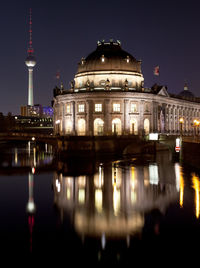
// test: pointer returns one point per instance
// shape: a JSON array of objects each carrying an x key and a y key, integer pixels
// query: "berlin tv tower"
[{"x": 30, "y": 63}]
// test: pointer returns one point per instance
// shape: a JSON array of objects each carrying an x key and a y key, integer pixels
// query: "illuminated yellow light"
[
  {"x": 196, "y": 187},
  {"x": 116, "y": 200},
  {"x": 98, "y": 200},
  {"x": 181, "y": 191},
  {"x": 68, "y": 193},
  {"x": 81, "y": 196},
  {"x": 81, "y": 181},
  {"x": 181, "y": 120}
]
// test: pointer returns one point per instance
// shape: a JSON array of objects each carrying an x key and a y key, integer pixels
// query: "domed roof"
[
  {"x": 186, "y": 92},
  {"x": 109, "y": 57}
]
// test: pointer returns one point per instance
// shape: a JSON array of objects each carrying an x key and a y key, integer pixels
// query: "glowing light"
[
  {"x": 30, "y": 207},
  {"x": 98, "y": 126},
  {"x": 116, "y": 182},
  {"x": 153, "y": 174},
  {"x": 57, "y": 122},
  {"x": 81, "y": 196},
  {"x": 116, "y": 200},
  {"x": 58, "y": 185},
  {"x": 81, "y": 181},
  {"x": 68, "y": 193},
  {"x": 33, "y": 170},
  {"x": 181, "y": 120},
  {"x": 153, "y": 136},
  {"x": 16, "y": 156},
  {"x": 196, "y": 186},
  {"x": 98, "y": 200},
  {"x": 81, "y": 127},
  {"x": 98, "y": 178},
  {"x": 116, "y": 126}
]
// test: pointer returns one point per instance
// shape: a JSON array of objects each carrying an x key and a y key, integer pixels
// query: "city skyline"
[{"x": 163, "y": 34}]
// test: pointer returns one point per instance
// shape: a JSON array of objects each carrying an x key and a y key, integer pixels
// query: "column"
[
  {"x": 126, "y": 129},
  {"x": 90, "y": 123},
  {"x": 107, "y": 119},
  {"x": 155, "y": 116},
  {"x": 73, "y": 117},
  {"x": 141, "y": 118}
]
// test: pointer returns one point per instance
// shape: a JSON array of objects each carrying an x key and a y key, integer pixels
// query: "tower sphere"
[{"x": 30, "y": 61}]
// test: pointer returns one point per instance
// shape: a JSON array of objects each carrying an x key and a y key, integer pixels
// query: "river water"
[{"x": 96, "y": 211}]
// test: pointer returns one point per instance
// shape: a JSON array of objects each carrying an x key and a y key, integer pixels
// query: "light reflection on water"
[{"x": 118, "y": 210}]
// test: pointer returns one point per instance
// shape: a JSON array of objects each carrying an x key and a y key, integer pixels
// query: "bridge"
[
  {"x": 33, "y": 136},
  {"x": 120, "y": 145}
]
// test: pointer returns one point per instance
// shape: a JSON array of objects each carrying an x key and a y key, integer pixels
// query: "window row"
[
  {"x": 98, "y": 107},
  {"x": 98, "y": 126}
]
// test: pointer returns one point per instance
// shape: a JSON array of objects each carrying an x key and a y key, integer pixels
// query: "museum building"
[{"x": 107, "y": 97}]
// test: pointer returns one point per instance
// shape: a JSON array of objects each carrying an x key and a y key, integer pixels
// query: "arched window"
[
  {"x": 81, "y": 127},
  {"x": 68, "y": 126},
  {"x": 133, "y": 126},
  {"x": 116, "y": 126},
  {"x": 146, "y": 126},
  {"x": 98, "y": 127}
]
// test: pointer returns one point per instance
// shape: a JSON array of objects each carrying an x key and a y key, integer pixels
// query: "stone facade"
[
  {"x": 107, "y": 97},
  {"x": 122, "y": 113}
]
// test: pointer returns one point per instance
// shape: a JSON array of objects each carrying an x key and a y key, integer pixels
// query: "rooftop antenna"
[
  {"x": 30, "y": 62},
  {"x": 30, "y": 48}
]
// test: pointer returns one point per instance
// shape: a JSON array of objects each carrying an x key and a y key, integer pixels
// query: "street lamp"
[
  {"x": 196, "y": 125},
  {"x": 57, "y": 122},
  {"x": 181, "y": 121}
]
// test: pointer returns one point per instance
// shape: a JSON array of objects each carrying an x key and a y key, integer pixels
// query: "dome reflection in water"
[{"x": 97, "y": 211}]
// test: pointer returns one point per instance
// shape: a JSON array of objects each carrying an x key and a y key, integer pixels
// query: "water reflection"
[
  {"x": 113, "y": 202},
  {"x": 121, "y": 201},
  {"x": 196, "y": 186},
  {"x": 179, "y": 182},
  {"x": 31, "y": 207}
]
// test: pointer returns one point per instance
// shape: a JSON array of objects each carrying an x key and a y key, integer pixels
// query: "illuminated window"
[
  {"x": 68, "y": 110},
  {"x": 81, "y": 108},
  {"x": 81, "y": 127},
  {"x": 116, "y": 126},
  {"x": 146, "y": 126},
  {"x": 98, "y": 107},
  {"x": 133, "y": 107},
  {"x": 116, "y": 107},
  {"x": 133, "y": 126},
  {"x": 68, "y": 126},
  {"x": 98, "y": 127}
]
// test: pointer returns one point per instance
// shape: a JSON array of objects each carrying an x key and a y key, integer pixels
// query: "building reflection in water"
[
  {"x": 179, "y": 182},
  {"x": 196, "y": 187},
  {"x": 112, "y": 203},
  {"x": 32, "y": 155},
  {"x": 31, "y": 207}
]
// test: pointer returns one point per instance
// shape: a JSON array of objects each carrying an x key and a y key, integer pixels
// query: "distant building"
[
  {"x": 37, "y": 111},
  {"x": 107, "y": 97},
  {"x": 33, "y": 123}
]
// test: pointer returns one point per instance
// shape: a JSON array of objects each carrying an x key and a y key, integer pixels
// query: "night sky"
[{"x": 164, "y": 33}]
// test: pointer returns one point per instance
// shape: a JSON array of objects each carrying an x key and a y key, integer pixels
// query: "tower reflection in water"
[{"x": 112, "y": 203}]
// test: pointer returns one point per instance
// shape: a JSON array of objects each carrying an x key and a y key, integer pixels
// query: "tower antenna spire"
[
  {"x": 30, "y": 62},
  {"x": 30, "y": 47}
]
